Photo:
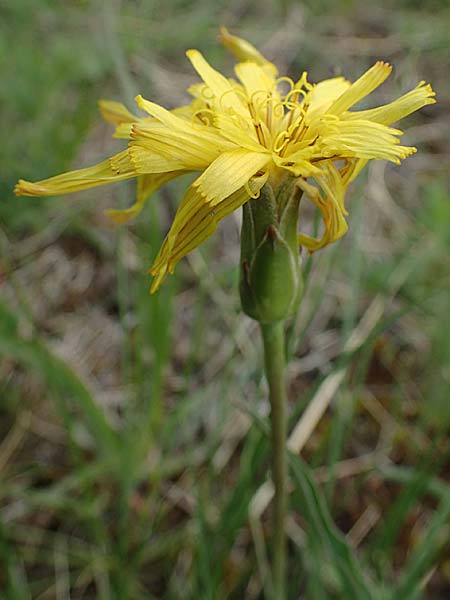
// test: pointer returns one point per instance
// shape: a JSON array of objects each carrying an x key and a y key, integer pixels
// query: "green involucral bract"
[{"x": 271, "y": 284}]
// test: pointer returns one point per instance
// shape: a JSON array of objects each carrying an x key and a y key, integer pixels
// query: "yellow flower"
[{"x": 238, "y": 134}]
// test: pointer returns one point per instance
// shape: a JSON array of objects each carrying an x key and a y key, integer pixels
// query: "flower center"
[{"x": 278, "y": 117}]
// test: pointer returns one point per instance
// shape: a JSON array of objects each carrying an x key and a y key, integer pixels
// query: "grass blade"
[
  {"x": 34, "y": 354},
  {"x": 310, "y": 502}
]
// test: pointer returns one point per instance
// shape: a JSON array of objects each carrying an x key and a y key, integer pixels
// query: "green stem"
[{"x": 274, "y": 359}]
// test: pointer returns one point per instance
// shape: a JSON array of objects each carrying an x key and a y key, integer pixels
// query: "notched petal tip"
[
  {"x": 409, "y": 150},
  {"x": 383, "y": 65},
  {"x": 159, "y": 275},
  {"x": 431, "y": 94},
  {"x": 241, "y": 49},
  {"x": 27, "y": 188},
  {"x": 134, "y": 131},
  {"x": 115, "y": 112}
]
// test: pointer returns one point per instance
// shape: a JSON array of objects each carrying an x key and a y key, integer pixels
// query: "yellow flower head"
[{"x": 238, "y": 134}]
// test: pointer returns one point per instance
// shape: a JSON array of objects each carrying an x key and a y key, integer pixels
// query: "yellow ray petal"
[
  {"x": 184, "y": 112},
  {"x": 223, "y": 91},
  {"x": 167, "y": 117},
  {"x": 169, "y": 149},
  {"x": 123, "y": 131},
  {"x": 194, "y": 147},
  {"x": 361, "y": 88},
  {"x": 195, "y": 200},
  {"x": 298, "y": 162},
  {"x": 146, "y": 185},
  {"x": 121, "y": 163},
  {"x": 81, "y": 179},
  {"x": 242, "y": 49},
  {"x": 124, "y": 127},
  {"x": 148, "y": 161},
  {"x": 229, "y": 172},
  {"x": 194, "y": 222},
  {"x": 179, "y": 119},
  {"x": 388, "y": 114},
  {"x": 352, "y": 169},
  {"x": 241, "y": 132},
  {"x": 199, "y": 91},
  {"x": 330, "y": 205},
  {"x": 324, "y": 94},
  {"x": 200, "y": 144},
  {"x": 363, "y": 139},
  {"x": 115, "y": 112},
  {"x": 254, "y": 79}
]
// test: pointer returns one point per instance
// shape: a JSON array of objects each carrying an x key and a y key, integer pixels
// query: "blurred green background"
[{"x": 133, "y": 432}]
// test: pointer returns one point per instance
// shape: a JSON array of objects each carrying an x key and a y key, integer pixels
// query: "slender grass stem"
[{"x": 274, "y": 360}]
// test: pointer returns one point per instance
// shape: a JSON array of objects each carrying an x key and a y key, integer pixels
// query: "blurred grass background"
[{"x": 133, "y": 432}]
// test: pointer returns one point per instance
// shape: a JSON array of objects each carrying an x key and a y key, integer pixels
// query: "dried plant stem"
[{"x": 274, "y": 359}]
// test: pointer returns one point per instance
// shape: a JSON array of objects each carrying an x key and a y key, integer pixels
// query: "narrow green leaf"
[
  {"x": 311, "y": 505},
  {"x": 34, "y": 354},
  {"x": 433, "y": 540}
]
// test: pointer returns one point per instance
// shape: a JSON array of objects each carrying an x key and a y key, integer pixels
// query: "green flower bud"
[{"x": 271, "y": 284}]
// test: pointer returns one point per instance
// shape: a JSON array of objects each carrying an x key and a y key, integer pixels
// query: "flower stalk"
[
  {"x": 274, "y": 361},
  {"x": 271, "y": 288}
]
